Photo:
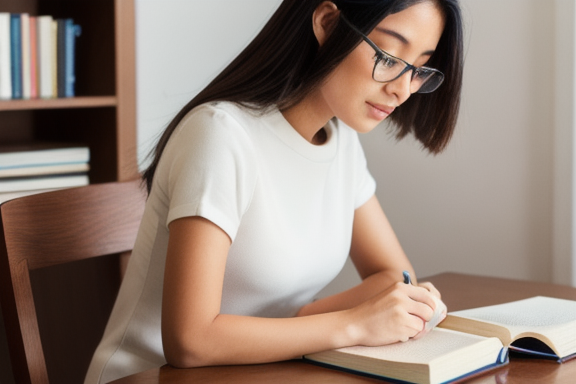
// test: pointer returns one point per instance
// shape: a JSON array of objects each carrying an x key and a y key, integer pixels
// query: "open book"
[
  {"x": 541, "y": 326},
  {"x": 467, "y": 342},
  {"x": 442, "y": 356}
]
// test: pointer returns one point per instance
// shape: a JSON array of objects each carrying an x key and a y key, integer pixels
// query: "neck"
[{"x": 308, "y": 118}]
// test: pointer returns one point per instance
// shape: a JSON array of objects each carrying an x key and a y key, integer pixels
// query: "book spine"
[
  {"x": 61, "y": 57},
  {"x": 54, "y": 58},
  {"x": 72, "y": 32},
  {"x": 5, "y": 57},
  {"x": 33, "y": 59},
  {"x": 16, "y": 55},
  {"x": 44, "y": 42},
  {"x": 25, "y": 32}
]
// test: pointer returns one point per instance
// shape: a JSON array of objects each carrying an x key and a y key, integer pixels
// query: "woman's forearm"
[{"x": 369, "y": 287}]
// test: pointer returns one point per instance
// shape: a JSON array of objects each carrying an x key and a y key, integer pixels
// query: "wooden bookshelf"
[{"x": 102, "y": 116}]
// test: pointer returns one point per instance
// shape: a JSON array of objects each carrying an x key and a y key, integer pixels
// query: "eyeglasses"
[{"x": 388, "y": 68}]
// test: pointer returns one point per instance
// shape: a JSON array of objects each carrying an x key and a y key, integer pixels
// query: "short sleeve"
[
  {"x": 365, "y": 182},
  {"x": 208, "y": 169}
]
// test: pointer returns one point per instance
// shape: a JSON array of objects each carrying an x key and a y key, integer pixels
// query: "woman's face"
[{"x": 353, "y": 96}]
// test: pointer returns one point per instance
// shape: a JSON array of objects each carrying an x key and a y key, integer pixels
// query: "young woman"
[{"x": 259, "y": 191}]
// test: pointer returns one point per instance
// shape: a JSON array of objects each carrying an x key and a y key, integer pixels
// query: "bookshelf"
[{"x": 103, "y": 117}]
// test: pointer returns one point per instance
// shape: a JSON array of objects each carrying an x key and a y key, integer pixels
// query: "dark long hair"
[{"x": 284, "y": 63}]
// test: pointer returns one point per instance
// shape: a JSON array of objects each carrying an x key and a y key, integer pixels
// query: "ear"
[{"x": 324, "y": 19}]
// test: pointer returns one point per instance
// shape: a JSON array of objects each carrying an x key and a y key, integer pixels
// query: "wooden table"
[{"x": 458, "y": 292}]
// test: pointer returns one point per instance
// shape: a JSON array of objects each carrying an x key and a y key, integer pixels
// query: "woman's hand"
[{"x": 397, "y": 314}]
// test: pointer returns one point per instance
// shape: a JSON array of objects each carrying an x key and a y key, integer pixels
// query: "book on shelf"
[
  {"x": 37, "y": 56},
  {"x": 41, "y": 166},
  {"x": 43, "y": 182},
  {"x": 44, "y": 56},
  {"x": 468, "y": 343},
  {"x": 5, "y": 57},
  {"x": 25, "y": 52},
  {"x": 42, "y": 154},
  {"x": 16, "y": 55},
  {"x": 54, "y": 169}
]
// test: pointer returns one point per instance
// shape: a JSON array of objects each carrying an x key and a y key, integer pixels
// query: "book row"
[
  {"x": 37, "y": 56},
  {"x": 41, "y": 167}
]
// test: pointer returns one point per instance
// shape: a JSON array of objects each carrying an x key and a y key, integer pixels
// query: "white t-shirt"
[{"x": 287, "y": 205}]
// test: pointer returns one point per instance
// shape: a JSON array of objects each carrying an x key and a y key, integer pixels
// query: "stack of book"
[
  {"x": 37, "y": 56},
  {"x": 41, "y": 167}
]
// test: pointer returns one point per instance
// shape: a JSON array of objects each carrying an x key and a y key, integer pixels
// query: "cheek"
[{"x": 349, "y": 85}]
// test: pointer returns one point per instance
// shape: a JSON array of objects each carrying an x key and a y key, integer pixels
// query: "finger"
[
  {"x": 431, "y": 288},
  {"x": 421, "y": 295}
]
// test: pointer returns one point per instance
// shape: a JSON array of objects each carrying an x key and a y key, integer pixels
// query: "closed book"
[
  {"x": 35, "y": 183},
  {"x": 5, "y": 57},
  {"x": 33, "y": 59},
  {"x": 16, "y": 55},
  {"x": 39, "y": 154},
  {"x": 54, "y": 57},
  {"x": 72, "y": 33},
  {"x": 43, "y": 170},
  {"x": 44, "y": 55},
  {"x": 61, "y": 58},
  {"x": 25, "y": 33}
]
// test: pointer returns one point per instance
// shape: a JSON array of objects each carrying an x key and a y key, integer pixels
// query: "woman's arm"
[
  {"x": 194, "y": 333},
  {"x": 378, "y": 258}
]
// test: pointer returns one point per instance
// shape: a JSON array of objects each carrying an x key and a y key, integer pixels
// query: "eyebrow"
[{"x": 402, "y": 39}]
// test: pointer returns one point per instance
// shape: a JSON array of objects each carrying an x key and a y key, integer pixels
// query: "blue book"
[
  {"x": 72, "y": 33},
  {"x": 16, "y": 54}
]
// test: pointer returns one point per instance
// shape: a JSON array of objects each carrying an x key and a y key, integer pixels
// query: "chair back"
[{"x": 54, "y": 228}]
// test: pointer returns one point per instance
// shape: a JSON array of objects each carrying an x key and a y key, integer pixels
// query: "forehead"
[{"x": 419, "y": 26}]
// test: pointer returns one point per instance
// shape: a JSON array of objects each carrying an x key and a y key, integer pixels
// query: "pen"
[{"x": 407, "y": 279}]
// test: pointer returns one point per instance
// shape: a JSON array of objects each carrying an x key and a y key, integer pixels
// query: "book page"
[
  {"x": 551, "y": 320},
  {"x": 536, "y": 312},
  {"x": 422, "y": 351}
]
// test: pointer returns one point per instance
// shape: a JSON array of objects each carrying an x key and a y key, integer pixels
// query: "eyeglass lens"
[{"x": 388, "y": 68}]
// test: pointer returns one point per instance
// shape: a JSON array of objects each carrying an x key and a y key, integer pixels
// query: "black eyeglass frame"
[{"x": 381, "y": 55}]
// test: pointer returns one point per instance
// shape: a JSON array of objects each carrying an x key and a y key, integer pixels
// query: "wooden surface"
[
  {"x": 50, "y": 230},
  {"x": 458, "y": 291}
]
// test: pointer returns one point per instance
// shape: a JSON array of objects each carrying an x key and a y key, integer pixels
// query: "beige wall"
[{"x": 485, "y": 206}]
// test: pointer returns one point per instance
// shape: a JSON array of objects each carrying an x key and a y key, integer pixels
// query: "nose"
[{"x": 400, "y": 87}]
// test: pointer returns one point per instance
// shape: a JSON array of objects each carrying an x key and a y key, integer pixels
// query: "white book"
[
  {"x": 44, "y": 57},
  {"x": 39, "y": 154},
  {"x": 35, "y": 183},
  {"x": 5, "y": 57},
  {"x": 25, "y": 26},
  {"x": 42, "y": 170}
]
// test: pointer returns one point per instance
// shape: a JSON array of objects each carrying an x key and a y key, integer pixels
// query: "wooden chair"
[{"x": 49, "y": 229}]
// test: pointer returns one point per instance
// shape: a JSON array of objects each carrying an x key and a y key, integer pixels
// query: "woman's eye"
[{"x": 386, "y": 61}]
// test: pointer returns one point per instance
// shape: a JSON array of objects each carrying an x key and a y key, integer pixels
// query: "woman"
[{"x": 259, "y": 191}]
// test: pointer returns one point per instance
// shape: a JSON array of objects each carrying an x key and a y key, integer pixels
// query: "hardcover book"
[{"x": 468, "y": 342}]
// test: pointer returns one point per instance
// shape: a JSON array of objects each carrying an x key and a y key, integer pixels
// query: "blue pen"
[{"x": 407, "y": 279}]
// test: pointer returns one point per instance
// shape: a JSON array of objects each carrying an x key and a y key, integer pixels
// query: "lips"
[
  {"x": 379, "y": 111},
  {"x": 387, "y": 110}
]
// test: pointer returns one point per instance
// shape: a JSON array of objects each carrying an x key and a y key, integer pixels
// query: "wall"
[{"x": 485, "y": 206}]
